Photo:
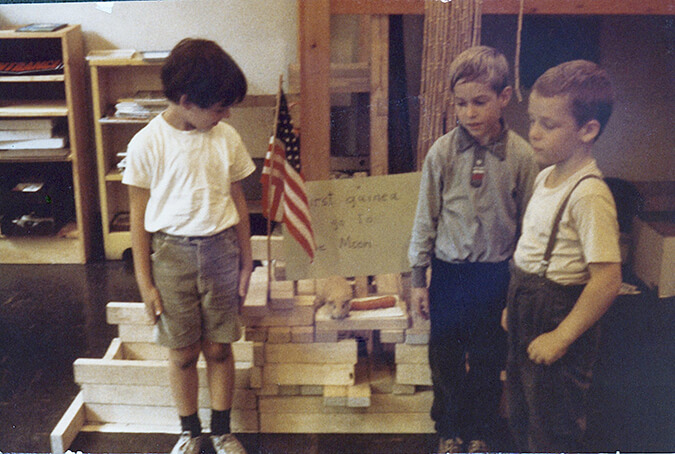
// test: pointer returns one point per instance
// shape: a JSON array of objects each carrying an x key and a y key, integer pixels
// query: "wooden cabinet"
[
  {"x": 65, "y": 173},
  {"x": 114, "y": 79}
]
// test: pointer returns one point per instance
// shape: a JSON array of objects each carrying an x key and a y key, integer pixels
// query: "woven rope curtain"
[{"x": 450, "y": 27}]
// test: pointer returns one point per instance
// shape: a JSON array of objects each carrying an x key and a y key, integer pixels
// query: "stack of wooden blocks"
[{"x": 297, "y": 370}]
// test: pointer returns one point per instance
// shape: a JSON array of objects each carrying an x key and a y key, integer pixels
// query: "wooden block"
[
  {"x": 259, "y": 247},
  {"x": 413, "y": 374},
  {"x": 399, "y": 389},
  {"x": 416, "y": 336},
  {"x": 118, "y": 313},
  {"x": 306, "y": 287},
  {"x": 411, "y": 354},
  {"x": 256, "y": 334},
  {"x": 302, "y": 334},
  {"x": 258, "y": 354},
  {"x": 242, "y": 350},
  {"x": 256, "y": 378},
  {"x": 325, "y": 335},
  {"x": 358, "y": 395},
  {"x": 388, "y": 283},
  {"x": 154, "y": 395},
  {"x": 289, "y": 390},
  {"x": 69, "y": 426},
  {"x": 311, "y": 390},
  {"x": 255, "y": 304},
  {"x": 149, "y": 372},
  {"x": 392, "y": 336},
  {"x": 115, "y": 350},
  {"x": 345, "y": 423},
  {"x": 279, "y": 335},
  {"x": 382, "y": 404},
  {"x": 335, "y": 396},
  {"x": 309, "y": 374},
  {"x": 268, "y": 389},
  {"x": 302, "y": 314},
  {"x": 282, "y": 295},
  {"x": 136, "y": 333},
  {"x": 343, "y": 352},
  {"x": 241, "y": 420}
]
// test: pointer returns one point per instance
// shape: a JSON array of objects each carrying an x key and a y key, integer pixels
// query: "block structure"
[{"x": 297, "y": 370}]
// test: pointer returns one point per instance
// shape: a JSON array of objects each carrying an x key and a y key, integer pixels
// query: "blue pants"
[
  {"x": 547, "y": 404},
  {"x": 465, "y": 305}
]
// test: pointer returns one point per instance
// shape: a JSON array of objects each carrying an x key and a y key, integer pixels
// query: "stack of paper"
[{"x": 29, "y": 134}]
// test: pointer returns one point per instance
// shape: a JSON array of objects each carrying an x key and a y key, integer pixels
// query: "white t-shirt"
[
  {"x": 588, "y": 232},
  {"x": 189, "y": 174}
]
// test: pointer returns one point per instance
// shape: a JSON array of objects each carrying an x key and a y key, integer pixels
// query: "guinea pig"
[{"x": 336, "y": 292}]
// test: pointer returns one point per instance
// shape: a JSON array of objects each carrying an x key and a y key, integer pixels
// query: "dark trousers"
[
  {"x": 546, "y": 404},
  {"x": 467, "y": 346}
]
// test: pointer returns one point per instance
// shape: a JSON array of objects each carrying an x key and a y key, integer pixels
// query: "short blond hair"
[
  {"x": 480, "y": 64},
  {"x": 586, "y": 84}
]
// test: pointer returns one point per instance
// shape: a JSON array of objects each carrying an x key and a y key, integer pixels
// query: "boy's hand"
[
  {"x": 244, "y": 280},
  {"x": 153, "y": 303},
  {"x": 419, "y": 297},
  {"x": 547, "y": 348},
  {"x": 505, "y": 320}
]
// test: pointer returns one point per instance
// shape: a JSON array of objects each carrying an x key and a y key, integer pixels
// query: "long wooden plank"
[
  {"x": 149, "y": 372},
  {"x": 68, "y": 426},
  {"x": 156, "y": 396},
  {"x": 379, "y": 95},
  {"x": 323, "y": 353},
  {"x": 242, "y": 420},
  {"x": 308, "y": 374},
  {"x": 345, "y": 423},
  {"x": 314, "y": 33},
  {"x": 586, "y": 7},
  {"x": 419, "y": 402}
]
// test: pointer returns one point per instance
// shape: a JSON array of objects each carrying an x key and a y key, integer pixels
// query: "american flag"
[{"x": 284, "y": 197}]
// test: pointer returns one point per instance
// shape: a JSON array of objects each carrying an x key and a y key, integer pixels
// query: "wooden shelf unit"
[
  {"x": 111, "y": 80},
  {"x": 59, "y": 95}
]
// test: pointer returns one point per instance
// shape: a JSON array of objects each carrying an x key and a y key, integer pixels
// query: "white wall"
[{"x": 261, "y": 35}]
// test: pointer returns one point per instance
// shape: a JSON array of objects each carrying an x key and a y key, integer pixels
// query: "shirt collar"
[{"x": 497, "y": 147}]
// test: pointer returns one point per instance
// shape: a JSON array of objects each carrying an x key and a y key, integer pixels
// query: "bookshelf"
[
  {"x": 114, "y": 79},
  {"x": 67, "y": 171}
]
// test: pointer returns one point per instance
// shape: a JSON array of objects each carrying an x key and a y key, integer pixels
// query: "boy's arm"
[
  {"x": 596, "y": 298},
  {"x": 140, "y": 248},
  {"x": 243, "y": 229}
]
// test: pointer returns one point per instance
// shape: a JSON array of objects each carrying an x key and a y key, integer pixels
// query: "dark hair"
[
  {"x": 586, "y": 84},
  {"x": 480, "y": 64},
  {"x": 204, "y": 72}
]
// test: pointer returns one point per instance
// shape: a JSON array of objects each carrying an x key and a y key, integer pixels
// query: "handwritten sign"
[{"x": 362, "y": 227}]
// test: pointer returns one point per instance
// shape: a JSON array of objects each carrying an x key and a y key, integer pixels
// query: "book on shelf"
[
  {"x": 35, "y": 144},
  {"x": 41, "y": 27},
  {"x": 24, "y": 134},
  {"x": 19, "y": 68},
  {"x": 110, "y": 54},
  {"x": 27, "y": 123}
]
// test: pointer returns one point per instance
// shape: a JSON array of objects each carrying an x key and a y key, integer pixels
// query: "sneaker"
[
  {"x": 187, "y": 445},
  {"x": 227, "y": 444},
  {"x": 477, "y": 446},
  {"x": 450, "y": 445}
]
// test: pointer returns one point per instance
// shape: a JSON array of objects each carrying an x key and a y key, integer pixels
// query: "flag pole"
[{"x": 269, "y": 192}]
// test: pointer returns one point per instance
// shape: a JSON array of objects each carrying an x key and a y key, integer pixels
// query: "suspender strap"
[{"x": 556, "y": 224}]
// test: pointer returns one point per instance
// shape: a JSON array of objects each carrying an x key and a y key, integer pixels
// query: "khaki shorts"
[{"x": 197, "y": 279}]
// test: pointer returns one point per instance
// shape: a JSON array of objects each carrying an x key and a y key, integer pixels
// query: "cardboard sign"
[{"x": 362, "y": 227}]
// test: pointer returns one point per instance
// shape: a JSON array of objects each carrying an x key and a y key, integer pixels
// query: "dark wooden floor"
[{"x": 52, "y": 314}]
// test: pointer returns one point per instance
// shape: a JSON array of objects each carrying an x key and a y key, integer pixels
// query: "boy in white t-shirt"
[
  {"x": 190, "y": 231},
  {"x": 567, "y": 270}
]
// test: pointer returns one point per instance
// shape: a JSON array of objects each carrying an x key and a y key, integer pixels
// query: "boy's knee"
[
  {"x": 216, "y": 353},
  {"x": 184, "y": 358}
]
